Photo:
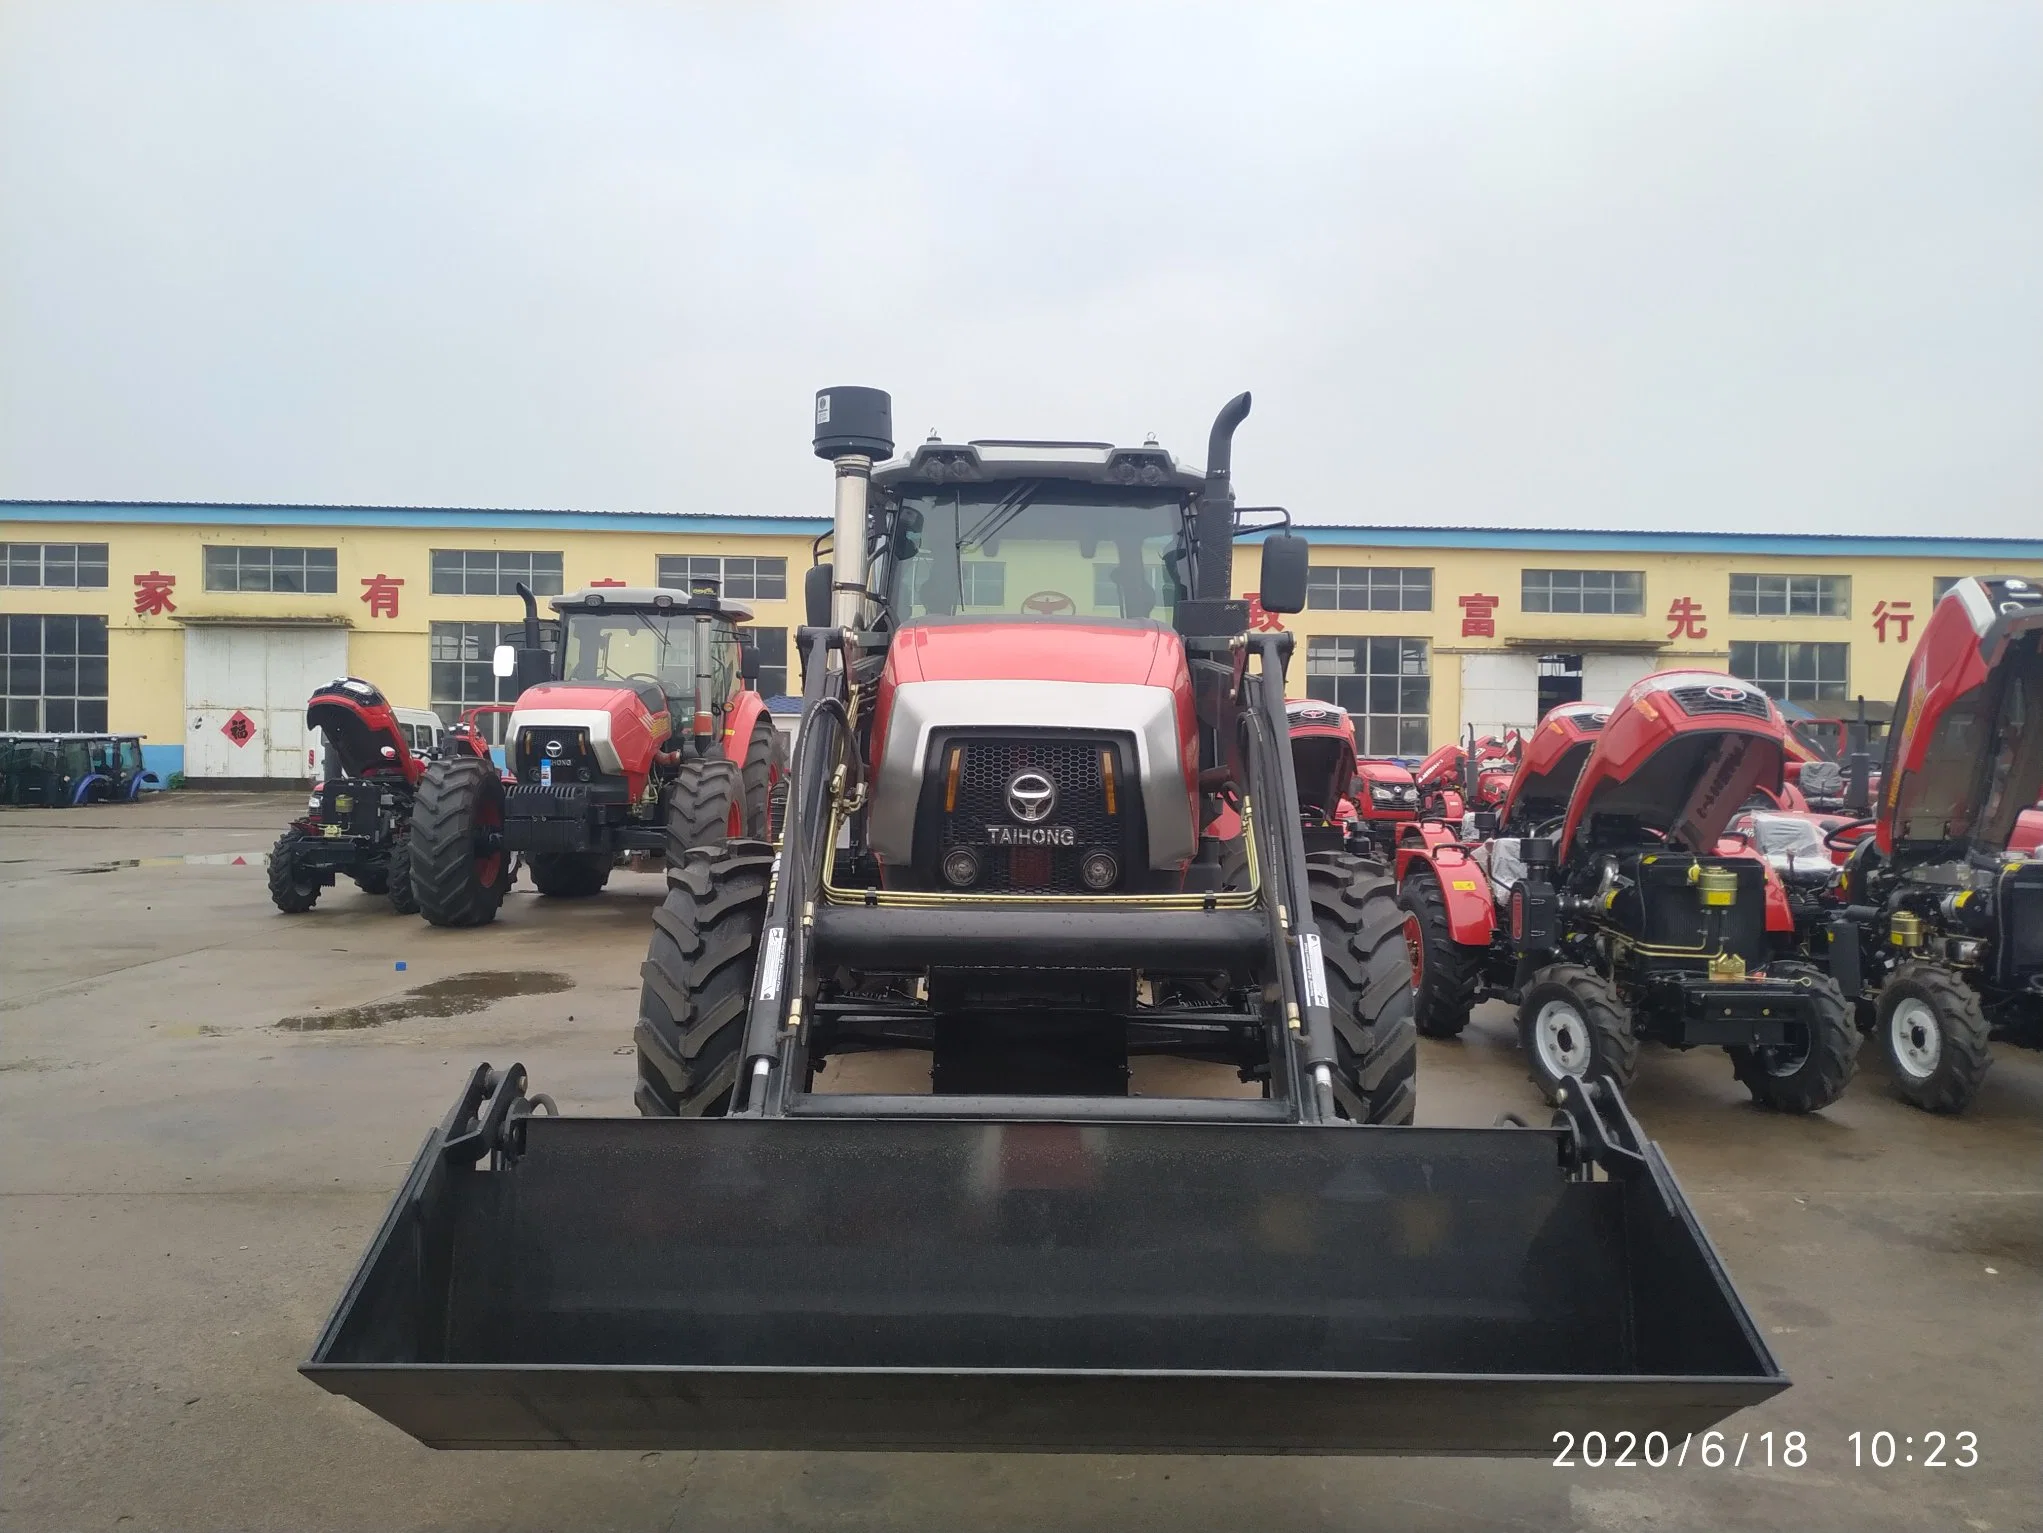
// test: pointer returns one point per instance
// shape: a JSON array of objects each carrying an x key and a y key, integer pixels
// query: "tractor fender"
[
  {"x": 1471, "y": 913},
  {"x": 82, "y": 794},
  {"x": 739, "y": 722}
]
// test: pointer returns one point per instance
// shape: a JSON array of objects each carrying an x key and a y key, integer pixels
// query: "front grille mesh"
[
  {"x": 1697, "y": 700},
  {"x": 1074, "y": 766}
]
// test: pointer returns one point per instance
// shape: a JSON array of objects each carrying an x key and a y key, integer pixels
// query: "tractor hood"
[
  {"x": 1965, "y": 756},
  {"x": 1680, "y": 754},
  {"x": 358, "y": 723},
  {"x": 1322, "y": 755},
  {"x": 626, "y": 722},
  {"x": 1037, "y": 676},
  {"x": 1553, "y": 762}
]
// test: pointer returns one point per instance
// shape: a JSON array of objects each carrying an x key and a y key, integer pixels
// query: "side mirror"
[
  {"x": 816, "y": 594},
  {"x": 748, "y": 667},
  {"x": 1285, "y": 558},
  {"x": 503, "y": 661}
]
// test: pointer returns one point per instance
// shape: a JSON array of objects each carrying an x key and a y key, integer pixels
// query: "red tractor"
[
  {"x": 636, "y": 735},
  {"x": 1463, "y": 777},
  {"x": 1948, "y": 910},
  {"x": 1323, "y": 761},
  {"x": 1627, "y": 921},
  {"x": 1439, "y": 865},
  {"x": 1044, "y": 822},
  {"x": 358, "y": 820}
]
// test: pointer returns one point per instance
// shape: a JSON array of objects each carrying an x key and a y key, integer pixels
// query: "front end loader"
[{"x": 1043, "y": 822}]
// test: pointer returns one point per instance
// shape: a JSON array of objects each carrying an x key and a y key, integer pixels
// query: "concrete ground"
[{"x": 187, "y": 1184}]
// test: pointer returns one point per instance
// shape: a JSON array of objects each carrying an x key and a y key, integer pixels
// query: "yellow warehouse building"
[{"x": 169, "y": 620}]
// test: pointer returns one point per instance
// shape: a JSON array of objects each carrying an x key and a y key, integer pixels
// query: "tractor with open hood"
[
  {"x": 635, "y": 735},
  {"x": 1624, "y": 920},
  {"x": 358, "y": 817},
  {"x": 1951, "y": 916},
  {"x": 1043, "y": 821}
]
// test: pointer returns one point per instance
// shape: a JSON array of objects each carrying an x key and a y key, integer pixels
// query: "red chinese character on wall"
[
  {"x": 1479, "y": 615},
  {"x": 1899, "y": 613},
  {"x": 152, "y": 593},
  {"x": 1261, "y": 621},
  {"x": 1686, "y": 618},
  {"x": 380, "y": 592},
  {"x": 606, "y": 583}
]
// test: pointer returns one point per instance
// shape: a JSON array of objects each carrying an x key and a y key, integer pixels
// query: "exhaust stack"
[
  {"x": 1215, "y": 571},
  {"x": 854, "y": 429}
]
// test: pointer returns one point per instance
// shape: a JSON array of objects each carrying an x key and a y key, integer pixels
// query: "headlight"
[
  {"x": 960, "y": 867},
  {"x": 1099, "y": 870}
]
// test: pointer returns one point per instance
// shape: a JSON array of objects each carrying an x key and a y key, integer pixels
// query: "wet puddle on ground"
[{"x": 455, "y": 996}]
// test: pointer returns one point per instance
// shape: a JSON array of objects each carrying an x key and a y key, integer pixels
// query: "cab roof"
[
  {"x": 936, "y": 462},
  {"x": 651, "y": 599}
]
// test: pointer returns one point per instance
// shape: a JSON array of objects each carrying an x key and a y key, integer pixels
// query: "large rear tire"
[
  {"x": 402, "y": 901},
  {"x": 1812, "y": 1078},
  {"x": 765, "y": 772},
  {"x": 1572, "y": 1022},
  {"x": 698, "y": 980},
  {"x": 291, "y": 891},
  {"x": 569, "y": 875},
  {"x": 1369, "y": 987},
  {"x": 460, "y": 871},
  {"x": 699, "y": 806},
  {"x": 1444, "y": 972},
  {"x": 1935, "y": 1037}
]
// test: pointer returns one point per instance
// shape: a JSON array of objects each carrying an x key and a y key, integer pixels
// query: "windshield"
[
  {"x": 1037, "y": 548},
  {"x": 623, "y": 646}
]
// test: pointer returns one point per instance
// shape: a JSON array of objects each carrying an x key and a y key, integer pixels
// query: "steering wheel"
[
  {"x": 1048, "y": 603},
  {"x": 1838, "y": 839}
]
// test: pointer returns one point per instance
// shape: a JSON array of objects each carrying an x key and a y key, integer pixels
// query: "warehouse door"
[
  {"x": 244, "y": 697},
  {"x": 1499, "y": 691},
  {"x": 1607, "y": 677}
]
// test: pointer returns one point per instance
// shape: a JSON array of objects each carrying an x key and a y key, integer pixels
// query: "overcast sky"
[{"x": 1743, "y": 265}]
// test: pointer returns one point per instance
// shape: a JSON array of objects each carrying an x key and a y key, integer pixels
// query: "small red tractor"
[
  {"x": 1947, "y": 909},
  {"x": 636, "y": 735},
  {"x": 358, "y": 820},
  {"x": 1628, "y": 921},
  {"x": 1463, "y": 777},
  {"x": 1386, "y": 797},
  {"x": 1043, "y": 822},
  {"x": 1349, "y": 803}
]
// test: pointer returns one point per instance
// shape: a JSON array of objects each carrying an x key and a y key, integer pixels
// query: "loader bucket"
[{"x": 1056, "y": 1287}]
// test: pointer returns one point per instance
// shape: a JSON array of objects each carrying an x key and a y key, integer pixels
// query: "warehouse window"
[
  {"x": 262, "y": 568},
  {"x": 1386, "y": 684},
  {"x": 461, "y": 676},
  {"x": 1349, "y": 588},
  {"x": 1618, "y": 591},
  {"x": 1791, "y": 596},
  {"x": 56, "y": 673},
  {"x": 770, "y": 644},
  {"x": 494, "y": 572},
  {"x": 743, "y": 578},
  {"x": 59, "y": 566},
  {"x": 1800, "y": 673}
]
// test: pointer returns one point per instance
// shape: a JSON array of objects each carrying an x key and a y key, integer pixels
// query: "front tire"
[
  {"x": 291, "y": 891},
  {"x": 699, "y": 804},
  {"x": 1369, "y": 987},
  {"x": 698, "y": 980},
  {"x": 373, "y": 879},
  {"x": 765, "y": 781},
  {"x": 1571, "y": 1022},
  {"x": 460, "y": 871},
  {"x": 1444, "y": 972},
  {"x": 1813, "y": 1078},
  {"x": 1935, "y": 1037},
  {"x": 569, "y": 875},
  {"x": 402, "y": 901}
]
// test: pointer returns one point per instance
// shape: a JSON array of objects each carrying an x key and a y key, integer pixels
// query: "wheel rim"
[
  {"x": 1415, "y": 949},
  {"x": 1785, "y": 1059},
  {"x": 1916, "y": 1036},
  {"x": 1560, "y": 1036}
]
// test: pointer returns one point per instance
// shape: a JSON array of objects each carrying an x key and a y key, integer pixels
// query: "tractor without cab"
[
  {"x": 1043, "y": 818},
  {"x": 1626, "y": 921},
  {"x": 637, "y": 736}
]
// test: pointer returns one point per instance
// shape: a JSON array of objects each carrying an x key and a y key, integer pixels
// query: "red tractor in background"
[
  {"x": 1437, "y": 858},
  {"x": 1348, "y": 802},
  {"x": 1449, "y": 787},
  {"x": 636, "y": 735},
  {"x": 358, "y": 820},
  {"x": 1947, "y": 893},
  {"x": 1629, "y": 921}
]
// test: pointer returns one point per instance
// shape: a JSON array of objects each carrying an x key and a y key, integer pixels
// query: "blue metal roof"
[{"x": 1552, "y": 539}]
